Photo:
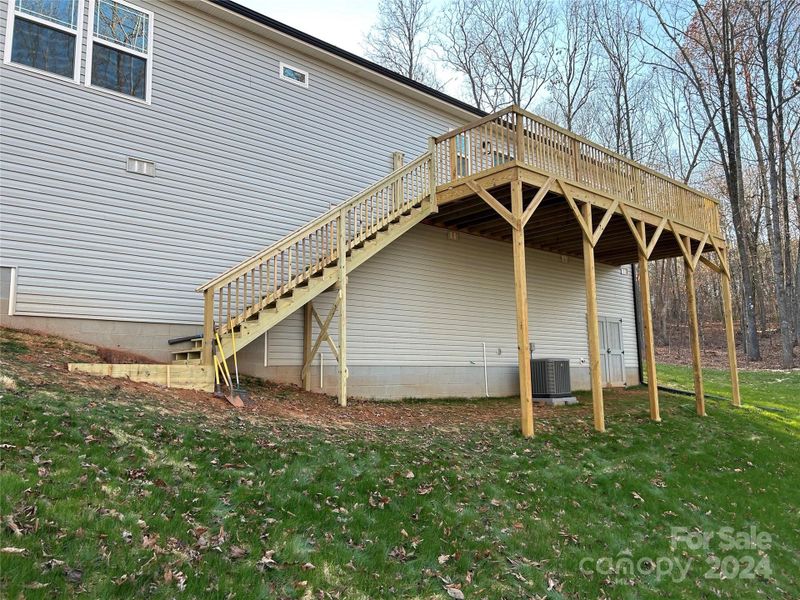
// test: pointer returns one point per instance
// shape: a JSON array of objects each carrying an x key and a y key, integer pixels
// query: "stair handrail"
[{"x": 325, "y": 217}]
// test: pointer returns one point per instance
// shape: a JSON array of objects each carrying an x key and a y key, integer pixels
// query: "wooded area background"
[{"x": 706, "y": 92}]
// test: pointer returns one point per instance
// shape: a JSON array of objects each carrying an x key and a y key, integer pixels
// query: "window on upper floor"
[
  {"x": 120, "y": 51},
  {"x": 45, "y": 35},
  {"x": 293, "y": 74}
]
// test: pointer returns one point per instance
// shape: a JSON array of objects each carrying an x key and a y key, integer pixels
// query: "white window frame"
[
  {"x": 281, "y": 66},
  {"x": 148, "y": 56},
  {"x": 77, "y": 32}
]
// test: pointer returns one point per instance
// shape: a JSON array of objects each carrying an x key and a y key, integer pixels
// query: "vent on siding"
[{"x": 141, "y": 166}]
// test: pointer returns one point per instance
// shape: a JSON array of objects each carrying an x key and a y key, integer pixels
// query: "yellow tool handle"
[
  {"x": 218, "y": 369},
  {"x": 233, "y": 343},
  {"x": 223, "y": 361}
]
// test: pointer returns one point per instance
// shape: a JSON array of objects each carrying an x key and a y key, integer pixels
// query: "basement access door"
[{"x": 612, "y": 351}]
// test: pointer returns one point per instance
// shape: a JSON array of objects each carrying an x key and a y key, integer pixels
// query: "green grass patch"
[
  {"x": 13, "y": 347},
  {"x": 105, "y": 495}
]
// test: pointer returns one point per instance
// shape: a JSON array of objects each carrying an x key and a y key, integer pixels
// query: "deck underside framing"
[{"x": 554, "y": 228}]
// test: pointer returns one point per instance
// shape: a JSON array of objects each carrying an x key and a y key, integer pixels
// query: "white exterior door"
[{"x": 612, "y": 352}]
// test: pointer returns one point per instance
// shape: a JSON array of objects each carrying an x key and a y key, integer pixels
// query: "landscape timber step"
[{"x": 190, "y": 377}]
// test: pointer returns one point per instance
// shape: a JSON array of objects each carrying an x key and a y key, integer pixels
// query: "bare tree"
[
  {"x": 574, "y": 77},
  {"x": 463, "y": 36},
  {"x": 504, "y": 48},
  {"x": 686, "y": 132},
  {"x": 617, "y": 29},
  {"x": 519, "y": 47},
  {"x": 701, "y": 47},
  {"x": 402, "y": 37},
  {"x": 771, "y": 35}
]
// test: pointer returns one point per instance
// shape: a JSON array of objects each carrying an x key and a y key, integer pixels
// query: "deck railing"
[
  {"x": 515, "y": 134},
  {"x": 256, "y": 282}
]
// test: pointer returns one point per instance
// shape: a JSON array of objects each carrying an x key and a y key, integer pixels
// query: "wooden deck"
[{"x": 484, "y": 157}]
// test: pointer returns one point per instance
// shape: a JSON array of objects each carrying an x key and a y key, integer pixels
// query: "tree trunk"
[{"x": 776, "y": 245}]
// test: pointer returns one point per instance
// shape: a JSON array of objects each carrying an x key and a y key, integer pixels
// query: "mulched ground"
[{"x": 44, "y": 362}]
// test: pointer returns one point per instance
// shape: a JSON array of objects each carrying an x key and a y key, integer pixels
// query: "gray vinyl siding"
[
  {"x": 427, "y": 300},
  {"x": 242, "y": 158}
]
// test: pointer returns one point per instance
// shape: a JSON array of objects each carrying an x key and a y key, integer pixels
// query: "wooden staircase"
[
  {"x": 288, "y": 302},
  {"x": 260, "y": 292}
]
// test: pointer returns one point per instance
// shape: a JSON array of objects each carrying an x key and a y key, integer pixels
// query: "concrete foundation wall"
[
  {"x": 147, "y": 339},
  {"x": 381, "y": 382}
]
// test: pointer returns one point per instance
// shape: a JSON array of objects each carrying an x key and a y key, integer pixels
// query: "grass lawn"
[{"x": 104, "y": 494}]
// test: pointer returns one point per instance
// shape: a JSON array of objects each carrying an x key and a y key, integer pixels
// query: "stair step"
[
  {"x": 187, "y": 354},
  {"x": 190, "y": 361}
]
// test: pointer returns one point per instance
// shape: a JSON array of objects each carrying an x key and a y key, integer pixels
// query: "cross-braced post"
[
  {"x": 517, "y": 218},
  {"x": 591, "y": 235},
  {"x": 307, "y": 331},
  {"x": 521, "y": 296},
  {"x": 647, "y": 320},
  {"x": 598, "y": 407},
  {"x": 694, "y": 326},
  {"x": 727, "y": 309},
  {"x": 342, "y": 300}
]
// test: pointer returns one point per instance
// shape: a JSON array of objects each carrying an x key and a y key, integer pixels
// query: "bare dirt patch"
[{"x": 41, "y": 360}]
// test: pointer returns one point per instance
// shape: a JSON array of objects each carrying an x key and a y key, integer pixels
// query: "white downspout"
[
  {"x": 485, "y": 371},
  {"x": 12, "y": 292}
]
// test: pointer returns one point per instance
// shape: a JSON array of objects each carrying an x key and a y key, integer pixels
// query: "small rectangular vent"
[{"x": 141, "y": 166}]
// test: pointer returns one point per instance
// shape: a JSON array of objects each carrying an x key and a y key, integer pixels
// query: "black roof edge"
[{"x": 348, "y": 56}]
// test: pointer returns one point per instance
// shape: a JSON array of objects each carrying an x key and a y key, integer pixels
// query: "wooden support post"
[
  {"x": 433, "y": 176},
  {"x": 342, "y": 309},
  {"x": 453, "y": 159},
  {"x": 398, "y": 159},
  {"x": 647, "y": 321},
  {"x": 694, "y": 331},
  {"x": 208, "y": 326},
  {"x": 307, "y": 325},
  {"x": 521, "y": 296},
  {"x": 727, "y": 310},
  {"x": 591, "y": 317}
]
